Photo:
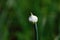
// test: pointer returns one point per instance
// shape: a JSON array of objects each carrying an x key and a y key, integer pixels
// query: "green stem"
[{"x": 36, "y": 30}]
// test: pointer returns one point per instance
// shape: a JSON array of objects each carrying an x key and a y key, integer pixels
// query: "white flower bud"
[{"x": 33, "y": 18}]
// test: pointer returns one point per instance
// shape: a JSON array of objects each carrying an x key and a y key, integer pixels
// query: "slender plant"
[{"x": 34, "y": 20}]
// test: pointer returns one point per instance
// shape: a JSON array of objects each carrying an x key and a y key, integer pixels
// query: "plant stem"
[{"x": 36, "y": 31}]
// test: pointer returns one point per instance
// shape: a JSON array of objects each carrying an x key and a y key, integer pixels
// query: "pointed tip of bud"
[{"x": 31, "y": 13}]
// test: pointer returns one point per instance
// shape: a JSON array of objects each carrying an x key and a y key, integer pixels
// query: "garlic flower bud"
[{"x": 33, "y": 18}]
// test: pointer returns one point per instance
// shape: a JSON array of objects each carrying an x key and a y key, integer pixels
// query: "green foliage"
[{"x": 14, "y": 24}]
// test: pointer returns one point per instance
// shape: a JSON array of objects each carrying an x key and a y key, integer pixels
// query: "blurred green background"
[{"x": 14, "y": 24}]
